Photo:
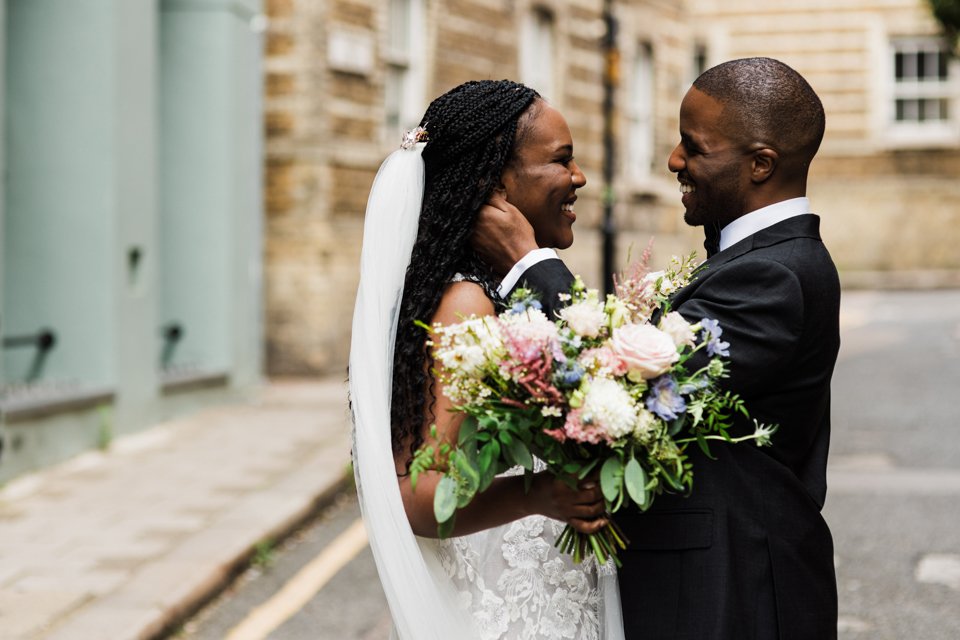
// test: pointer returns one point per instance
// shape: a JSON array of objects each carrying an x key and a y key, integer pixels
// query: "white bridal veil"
[{"x": 422, "y": 604}]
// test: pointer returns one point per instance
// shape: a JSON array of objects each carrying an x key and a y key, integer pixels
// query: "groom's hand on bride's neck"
[{"x": 502, "y": 236}]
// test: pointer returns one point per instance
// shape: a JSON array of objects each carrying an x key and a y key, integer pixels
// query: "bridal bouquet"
[{"x": 601, "y": 387}]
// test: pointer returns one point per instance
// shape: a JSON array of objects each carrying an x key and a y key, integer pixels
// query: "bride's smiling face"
[{"x": 542, "y": 178}]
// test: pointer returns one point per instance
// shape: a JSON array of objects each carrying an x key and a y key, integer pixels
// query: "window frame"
[
  {"x": 918, "y": 132},
  {"x": 538, "y": 52},
  {"x": 404, "y": 80},
  {"x": 640, "y": 112}
]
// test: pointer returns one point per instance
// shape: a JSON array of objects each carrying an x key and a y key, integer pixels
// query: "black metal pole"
[{"x": 611, "y": 58}]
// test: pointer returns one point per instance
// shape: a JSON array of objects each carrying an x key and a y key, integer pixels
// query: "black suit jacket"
[{"x": 748, "y": 555}]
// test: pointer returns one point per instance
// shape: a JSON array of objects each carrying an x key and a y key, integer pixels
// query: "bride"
[{"x": 499, "y": 576}]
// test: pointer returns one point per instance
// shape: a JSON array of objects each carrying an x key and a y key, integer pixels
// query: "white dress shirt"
[
  {"x": 527, "y": 261},
  {"x": 748, "y": 224}
]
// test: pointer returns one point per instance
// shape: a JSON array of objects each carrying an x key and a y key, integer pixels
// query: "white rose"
[
  {"x": 678, "y": 329},
  {"x": 585, "y": 318},
  {"x": 646, "y": 351}
]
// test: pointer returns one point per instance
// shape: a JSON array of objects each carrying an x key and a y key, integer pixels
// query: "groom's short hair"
[{"x": 765, "y": 100}]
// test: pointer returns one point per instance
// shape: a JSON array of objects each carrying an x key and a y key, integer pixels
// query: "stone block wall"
[
  {"x": 326, "y": 138},
  {"x": 890, "y": 215},
  {"x": 891, "y": 211}
]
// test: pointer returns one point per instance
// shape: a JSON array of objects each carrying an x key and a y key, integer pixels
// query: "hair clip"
[{"x": 412, "y": 137}]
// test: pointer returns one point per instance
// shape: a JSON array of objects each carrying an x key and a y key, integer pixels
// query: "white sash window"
[
  {"x": 405, "y": 82},
  {"x": 924, "y": 97}
]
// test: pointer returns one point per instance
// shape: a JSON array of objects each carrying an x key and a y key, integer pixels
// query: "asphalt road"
[{"x": 893, "y": 502}]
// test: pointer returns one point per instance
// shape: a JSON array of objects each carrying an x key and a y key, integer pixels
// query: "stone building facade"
[
  {"x": 887, "y": 178},
  {"x": 345, "y": 77}
]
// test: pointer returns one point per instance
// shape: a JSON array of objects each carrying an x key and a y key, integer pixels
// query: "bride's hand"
[
  {"x": 582, "y": 508},
  {"x": 501, "y": 235}
]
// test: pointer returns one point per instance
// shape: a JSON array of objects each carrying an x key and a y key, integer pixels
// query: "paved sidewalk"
[{"x": 121, "y": 544}]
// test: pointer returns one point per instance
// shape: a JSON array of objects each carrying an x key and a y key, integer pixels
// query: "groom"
[{"x": 747, "y": 555}]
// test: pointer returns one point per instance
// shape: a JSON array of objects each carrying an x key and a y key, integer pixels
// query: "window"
[
  {"x": 639, "y": 106},
  {"x": 537, "y": 53},
  {"x": 924, "y": 102},
  {"x": 404, "y": 88}
]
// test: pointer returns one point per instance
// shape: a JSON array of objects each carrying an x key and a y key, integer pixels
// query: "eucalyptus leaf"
[
  {"x": 445, "y": 499},
  {"x": 611, "y": 478},
  {"x": 635, "y": 479}
]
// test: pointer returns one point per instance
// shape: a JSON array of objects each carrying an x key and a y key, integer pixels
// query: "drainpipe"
[{"x": 611, "y": 76}]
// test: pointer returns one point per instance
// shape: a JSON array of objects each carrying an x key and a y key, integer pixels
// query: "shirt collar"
[{"x": 748, "y": 224}]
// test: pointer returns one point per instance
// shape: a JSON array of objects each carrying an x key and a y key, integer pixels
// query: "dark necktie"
[{"x": 711, "y": 241}]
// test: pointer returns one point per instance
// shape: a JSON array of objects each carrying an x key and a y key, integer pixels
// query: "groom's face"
[
  {"x": 712, "y": 168},
  {"x": 542, "y": 178}
]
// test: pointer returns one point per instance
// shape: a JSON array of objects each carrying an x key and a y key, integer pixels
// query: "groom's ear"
[{"x": 763, "y": 163}]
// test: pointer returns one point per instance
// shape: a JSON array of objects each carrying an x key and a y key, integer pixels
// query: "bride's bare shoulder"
[{"x": 460, "y": 300}]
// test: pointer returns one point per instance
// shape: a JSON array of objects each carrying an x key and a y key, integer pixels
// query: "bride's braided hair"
[{"x": 472, "y": 130}]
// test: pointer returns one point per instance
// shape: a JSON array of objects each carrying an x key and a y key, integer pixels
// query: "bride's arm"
[{"x": 505, "y": 500}]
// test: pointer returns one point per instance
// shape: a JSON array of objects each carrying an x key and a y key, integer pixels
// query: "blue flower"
[
  {"x": 526, "y": 303},
  {"x": 711, "y": 335},
  {"x": 569, "y": 374},
  {"x": 665, "y": 400}
]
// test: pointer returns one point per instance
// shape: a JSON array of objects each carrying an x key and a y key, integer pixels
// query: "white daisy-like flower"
[
  {"x": 548, "y": 412},
  {"x": 469, "y": 346}
]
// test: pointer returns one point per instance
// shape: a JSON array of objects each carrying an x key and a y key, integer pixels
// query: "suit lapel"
[{"x": 802, "y": 226}]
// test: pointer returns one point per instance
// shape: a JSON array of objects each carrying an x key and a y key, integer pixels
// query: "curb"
[{"x": 210, "y": 587}]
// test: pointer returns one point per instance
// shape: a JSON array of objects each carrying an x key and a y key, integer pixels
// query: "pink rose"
[{"x": 646, "y": 351}]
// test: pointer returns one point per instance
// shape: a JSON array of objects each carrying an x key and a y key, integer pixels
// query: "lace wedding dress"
[{"x": 515, "y": 583}]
